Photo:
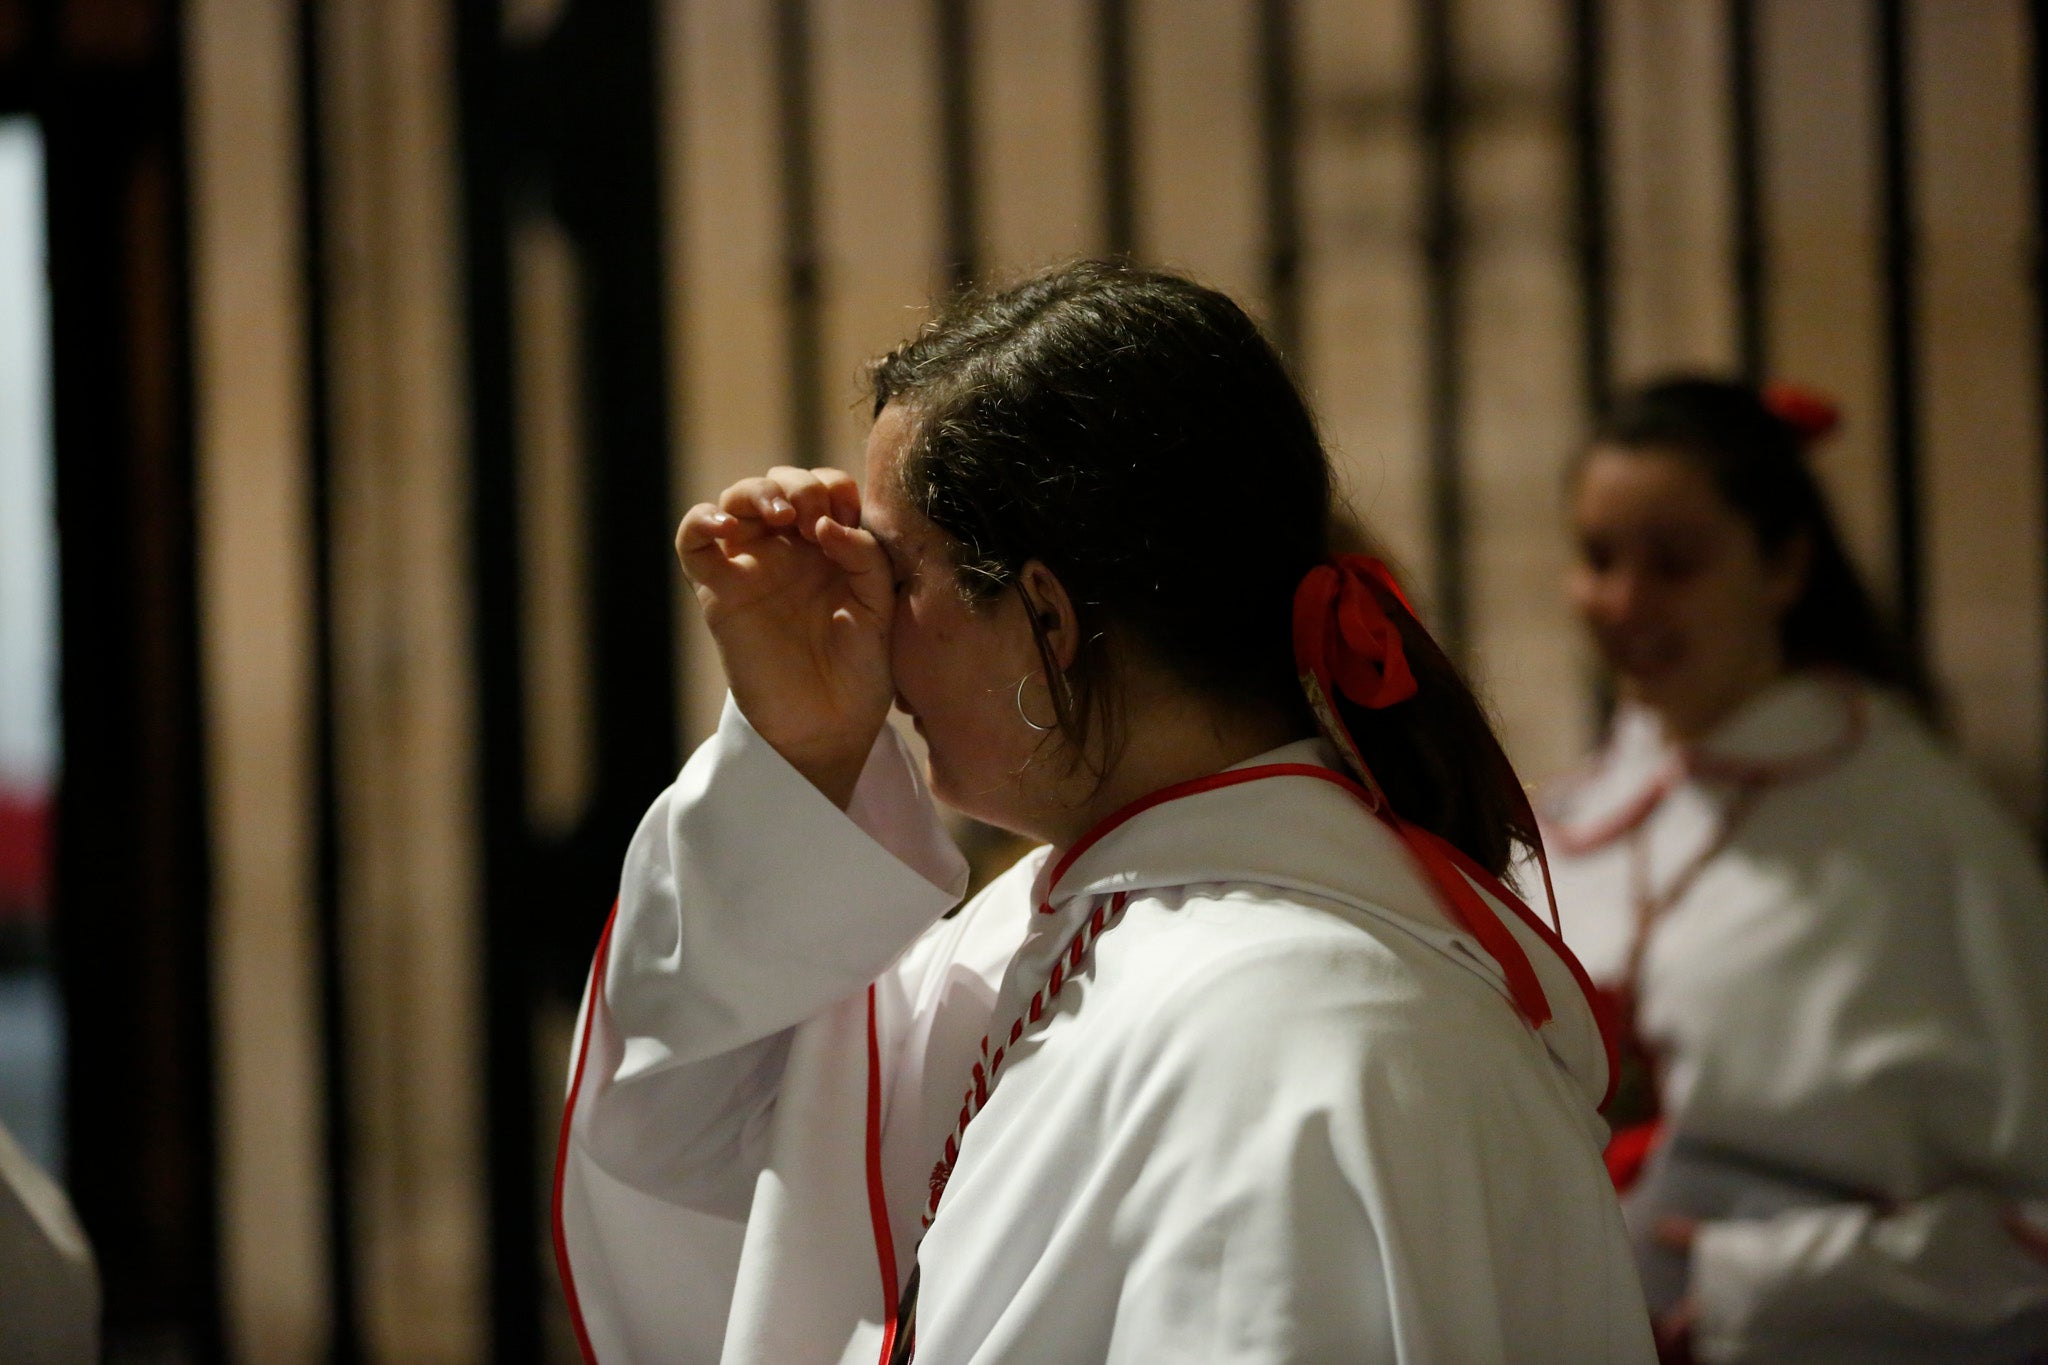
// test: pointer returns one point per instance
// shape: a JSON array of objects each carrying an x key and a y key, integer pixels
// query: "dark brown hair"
[
  {"x": 1107, "y": 421},
  {"x": 1757, "y": 461}
]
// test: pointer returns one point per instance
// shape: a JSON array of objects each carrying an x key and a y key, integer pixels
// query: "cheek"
[
  {"x": 914, "y": 646},
  {"x": 1726, "y": 591},
  {"x": 940, "y": 657},
  {"x": 1744, "y": 613}
]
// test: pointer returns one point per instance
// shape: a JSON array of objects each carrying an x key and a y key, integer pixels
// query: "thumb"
[{"x": 862, "y": 559}]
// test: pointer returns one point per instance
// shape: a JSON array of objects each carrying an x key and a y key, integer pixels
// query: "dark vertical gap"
[
  {"x": 1589, "y": 151},
  {"x": 796, "y": 133},
  {"x": 132, "y": 886},
  {"x": 337, "y": 1096},
  {"x": 1894, "y": 94},
  {"x": 1442, "y": 246},
  {"x": 1745, "y": 99},
  {"x": 593, "y": 143},
  {"x": 1119, "y": 150},
  {"x": 564, "y": 128},
  {"x": 506, "y": 863},
  {"x": 2037, "y": 16},
  {"x": 1280, "y": 145},
  {"x": 959, "y": 171}
]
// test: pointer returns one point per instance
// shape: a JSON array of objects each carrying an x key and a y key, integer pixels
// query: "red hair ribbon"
[
  {"x": 1344, "y": 637},
  {"x": 1346, "y": 644},
  {"x": 1809, "y": 412}
]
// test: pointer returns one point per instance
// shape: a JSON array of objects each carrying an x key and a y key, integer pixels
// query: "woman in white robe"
[
  {"x": 1829, "y": 943},
  {"x": 1257, "y": 1060}
]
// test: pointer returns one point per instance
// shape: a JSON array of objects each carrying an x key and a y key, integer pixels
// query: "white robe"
[
  {"x": 1282, "y": 1111},
  {"x": 1850, "y": 1010}
]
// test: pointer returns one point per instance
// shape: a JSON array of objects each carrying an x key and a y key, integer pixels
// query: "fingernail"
[{"x": 780, "y": 506}]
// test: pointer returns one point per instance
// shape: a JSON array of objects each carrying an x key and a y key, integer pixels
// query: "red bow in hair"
[
  {"x": 1343, "y": 636},
  {"x": 1344, "y": 642},
  {"x": 1809, "y": 412}
]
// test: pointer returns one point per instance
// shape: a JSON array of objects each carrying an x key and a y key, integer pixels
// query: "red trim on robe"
[
  {"x": 594, "y": 989},
  {"x": 878, "y": 1204}
]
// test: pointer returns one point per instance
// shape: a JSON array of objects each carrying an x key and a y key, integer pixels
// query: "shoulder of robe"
[{"x": 1317, "y": 1008}]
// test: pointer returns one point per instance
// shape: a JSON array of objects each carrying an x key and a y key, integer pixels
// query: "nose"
[{"x": 1616, "y": 595}]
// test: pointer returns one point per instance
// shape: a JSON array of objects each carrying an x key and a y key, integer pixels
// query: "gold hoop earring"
[{"x": 1041, "y": 729}]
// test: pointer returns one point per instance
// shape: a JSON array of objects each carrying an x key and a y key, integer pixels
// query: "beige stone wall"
[
  {"x": 405, "y": 683},
  {"x": 403, "y": 690},
  {"x": 1982, "y": 361},
  {"x": 254, "y": 617}
]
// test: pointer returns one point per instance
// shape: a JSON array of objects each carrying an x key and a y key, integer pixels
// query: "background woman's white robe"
[
  {"x": 1283, "y": 1112},
  {"x": 1853, "y": 996}
]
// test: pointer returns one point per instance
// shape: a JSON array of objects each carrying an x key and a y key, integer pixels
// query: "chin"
[
  {"x": 977, "y": 800},
  {"x": 1652, "y": 687},
  {"x": 948, "y": 792}
]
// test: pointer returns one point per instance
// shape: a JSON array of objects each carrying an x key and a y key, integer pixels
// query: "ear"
[{"x": 1046, "y": 598}]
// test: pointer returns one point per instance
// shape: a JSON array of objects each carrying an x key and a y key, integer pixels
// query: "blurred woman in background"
[{"x": 1825, "y": 944}]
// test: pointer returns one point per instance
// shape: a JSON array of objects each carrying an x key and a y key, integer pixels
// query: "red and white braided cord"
[{"x": 990, "y": 1064}]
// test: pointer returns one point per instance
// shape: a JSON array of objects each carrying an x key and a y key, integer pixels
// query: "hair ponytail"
[{"x": 1437, "y": 758}]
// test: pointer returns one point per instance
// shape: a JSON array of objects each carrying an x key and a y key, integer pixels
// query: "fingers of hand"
[
  {"x": 852, "y": 549},
  {"x": 816, "y": 493},
  {"x": 760, "y": 498},
  {"x": 785, "y": 501},
  {"x": 703, "y": 526},
  {"x": 844, "y": 496},
  {"x": 788, "y": 498},
  {"x": 863, "y": 560}
]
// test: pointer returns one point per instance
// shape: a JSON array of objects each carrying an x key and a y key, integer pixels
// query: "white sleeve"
[
  {"x": 1940, "y": 1269},
  {"x": 748, "y": 903}
]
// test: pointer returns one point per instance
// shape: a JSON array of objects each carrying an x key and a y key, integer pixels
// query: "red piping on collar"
[
  {"x": 1603, "y": 1015},
  {"x": 1229, "y": 777},
  {"x": 1442, "y": 862},
  {"x": 1695, "y": 762}
]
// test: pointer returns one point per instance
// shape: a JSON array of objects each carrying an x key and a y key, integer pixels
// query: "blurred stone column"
[
  {"x": 256, "y": 609},
  {"x": 405, "y": 684}
]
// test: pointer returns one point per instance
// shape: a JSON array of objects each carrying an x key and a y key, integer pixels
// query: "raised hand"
[{"x": 799, "y": 600}]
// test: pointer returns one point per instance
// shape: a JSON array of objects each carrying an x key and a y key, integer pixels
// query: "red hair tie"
[
  {"x": 1809, "y": 412},
  {"x": 1345, "y": 643}
]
